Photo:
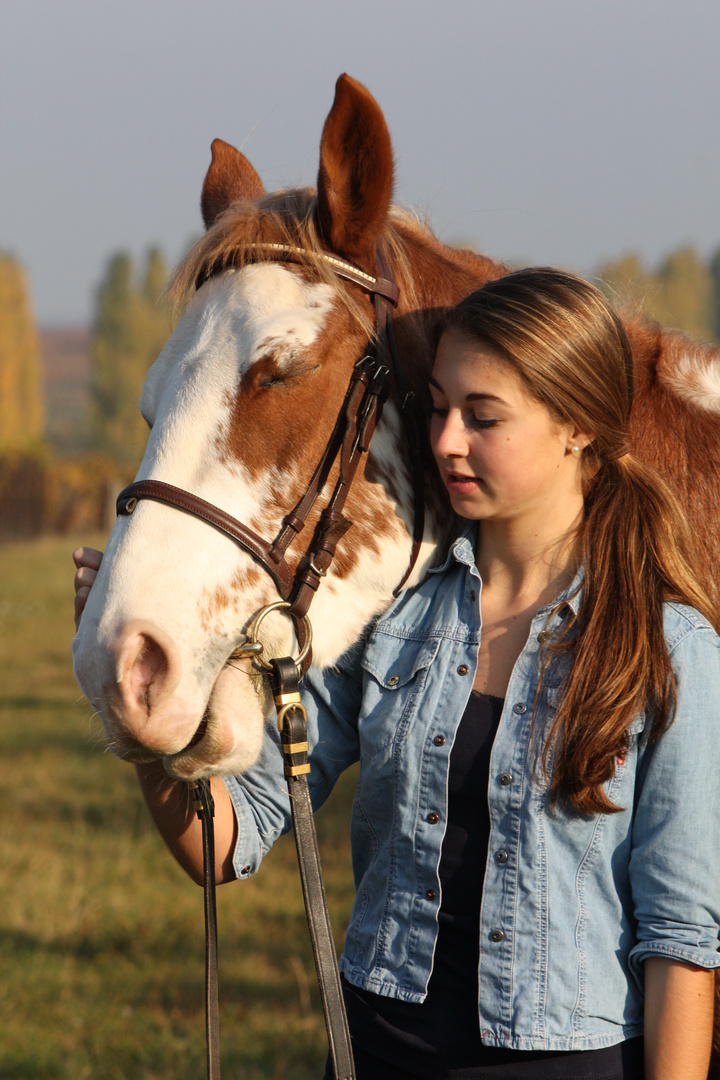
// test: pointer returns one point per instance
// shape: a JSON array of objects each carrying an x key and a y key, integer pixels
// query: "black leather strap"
[
  {"x": 285, "y": 682},
  {"x": 205, "y": 807}
]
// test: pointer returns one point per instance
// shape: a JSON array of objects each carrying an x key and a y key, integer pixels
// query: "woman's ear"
[{"x": 577, "y": 440}]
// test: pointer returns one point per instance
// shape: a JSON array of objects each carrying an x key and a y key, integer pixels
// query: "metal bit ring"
[{"x": 253, "y": 629}]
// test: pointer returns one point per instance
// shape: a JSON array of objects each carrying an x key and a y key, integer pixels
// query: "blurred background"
[{"x": 582, "y": 133}]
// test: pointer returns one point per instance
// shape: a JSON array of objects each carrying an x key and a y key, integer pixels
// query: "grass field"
[{"x": 101, "y": 934}]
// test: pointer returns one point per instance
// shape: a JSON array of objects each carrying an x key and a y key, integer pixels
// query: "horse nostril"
[
  {"x": 147, "y": 672},
  {"x": 143, "y": 703}
]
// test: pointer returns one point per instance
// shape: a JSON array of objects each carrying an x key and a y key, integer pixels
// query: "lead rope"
[
  {"x": 292, "y": 722},
  {"x": 204, "y": 806}
]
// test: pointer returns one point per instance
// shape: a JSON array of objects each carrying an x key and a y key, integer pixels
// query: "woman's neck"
[{"x": 528, "y": 564}]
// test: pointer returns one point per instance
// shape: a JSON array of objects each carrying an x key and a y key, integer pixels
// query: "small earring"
[{"x": 575, "y": 450}]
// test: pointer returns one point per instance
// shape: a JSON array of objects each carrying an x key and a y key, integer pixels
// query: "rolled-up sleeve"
[
  {"x": 260, "y": 797},
  {"x": 675, "y": 861}
]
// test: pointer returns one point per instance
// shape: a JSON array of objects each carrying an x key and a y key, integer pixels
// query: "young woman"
[{"x": 535, "y": 832}]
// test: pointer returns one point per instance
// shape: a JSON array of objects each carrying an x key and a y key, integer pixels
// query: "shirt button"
[
  {"x": 543, "y": 636},
  {"x": 496, "y": 936},
  {"x": 431, "y": 894},
  {"x": 463, "y": 669},
  {"x": 439, "y": 740},
  {"x": 501, "y": 855},
  {"x": 393, "y": 680},
  {"x": 520, "y": 708},
  {"x": 505, "y": 778},
  {"x": 433, "y": 818},
  {"x": 472, "y": 594},
  {"x": 245, "y": 870}
]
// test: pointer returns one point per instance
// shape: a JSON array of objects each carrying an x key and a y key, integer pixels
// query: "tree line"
[
  {"x": 131, "y": 325},
  {"x": 41, "y": 491},
  {"x": 683, "y": 292}
]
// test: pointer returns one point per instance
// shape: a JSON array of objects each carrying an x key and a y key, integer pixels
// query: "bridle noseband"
[{"x": 350, "y": 438}]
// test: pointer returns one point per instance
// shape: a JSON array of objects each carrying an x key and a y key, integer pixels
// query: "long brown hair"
[{"x": 573, "y": 354}]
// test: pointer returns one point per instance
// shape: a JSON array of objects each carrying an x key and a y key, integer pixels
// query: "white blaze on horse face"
[
  {"x": 233, "y": 321},
  {"x": 174, "y": 595}
]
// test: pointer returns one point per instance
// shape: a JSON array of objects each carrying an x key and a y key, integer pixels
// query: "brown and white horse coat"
[{"x": 241, "y": 403}]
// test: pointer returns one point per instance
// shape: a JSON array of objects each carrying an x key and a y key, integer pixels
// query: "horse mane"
[
  {"x": 686, "y": 366},
  {"x": 429, "y": 275}
]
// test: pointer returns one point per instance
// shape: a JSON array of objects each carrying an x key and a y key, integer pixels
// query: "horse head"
[{"x": 241, "y": 404}]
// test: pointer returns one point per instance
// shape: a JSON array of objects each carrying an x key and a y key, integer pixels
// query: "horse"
[{"x": 242, "y": 401}]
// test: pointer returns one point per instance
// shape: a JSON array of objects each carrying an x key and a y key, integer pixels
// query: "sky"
[{"x": 563, "y": 132}]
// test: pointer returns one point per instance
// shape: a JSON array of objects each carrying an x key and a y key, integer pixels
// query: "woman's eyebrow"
[{"x": 470, "y": 397}]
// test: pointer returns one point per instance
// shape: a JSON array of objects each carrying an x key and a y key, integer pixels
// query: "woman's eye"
[{"x": 480, "y": 422}]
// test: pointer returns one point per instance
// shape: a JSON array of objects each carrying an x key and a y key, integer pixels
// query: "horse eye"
[{"x": 282, "y": 378}]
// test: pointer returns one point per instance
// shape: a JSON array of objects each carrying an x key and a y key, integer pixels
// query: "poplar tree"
[
  {"x": 130, "y": 329},
  {"x": 715, "y": 274},
  {"x": 627, "y": 283},
  {"x": 22, "y": 402},
  {"x": 684, "y": 292},
  {"x": 685, "y": 297}
]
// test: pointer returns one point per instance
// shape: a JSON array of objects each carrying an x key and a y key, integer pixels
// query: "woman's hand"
[{"x": 87, "y": 561}]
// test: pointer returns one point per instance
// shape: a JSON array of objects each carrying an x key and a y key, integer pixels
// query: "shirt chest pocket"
[{"x": 395, "y": 672}]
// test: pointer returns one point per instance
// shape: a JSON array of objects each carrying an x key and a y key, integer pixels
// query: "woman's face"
[{"x": 500, "y": 453}]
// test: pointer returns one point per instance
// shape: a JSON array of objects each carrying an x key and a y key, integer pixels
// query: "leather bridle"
[{"x": 350, "y": 438}]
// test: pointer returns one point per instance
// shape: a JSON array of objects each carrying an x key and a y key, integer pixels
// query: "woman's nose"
[{"x": 448, "y": 435}]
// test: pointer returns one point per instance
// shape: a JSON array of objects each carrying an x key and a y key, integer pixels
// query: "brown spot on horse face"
[
  {"x": 247, "y": 580},
  {"x": 284, "y": 408}
]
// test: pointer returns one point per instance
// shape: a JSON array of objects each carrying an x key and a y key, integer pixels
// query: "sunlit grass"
[{"x": 101, "y": 934}]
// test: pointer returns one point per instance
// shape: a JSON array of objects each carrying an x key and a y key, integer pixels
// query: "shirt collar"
[
  {"x": 572, "y": 596},
  {"x": 462, "y": 550}
]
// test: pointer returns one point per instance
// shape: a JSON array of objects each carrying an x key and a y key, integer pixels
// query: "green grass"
[{"x": 101, "y": 934}]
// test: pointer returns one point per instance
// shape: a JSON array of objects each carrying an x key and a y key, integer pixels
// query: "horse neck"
[{"x": 436, "y": 278}]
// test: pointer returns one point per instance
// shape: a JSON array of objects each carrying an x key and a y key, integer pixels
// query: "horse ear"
[
  {"x": 355, "y": 179},
  {"x": 229, "y": 178}
]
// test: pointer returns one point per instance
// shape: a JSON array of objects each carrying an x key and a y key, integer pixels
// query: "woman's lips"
[{"x": 461, "y": 485}]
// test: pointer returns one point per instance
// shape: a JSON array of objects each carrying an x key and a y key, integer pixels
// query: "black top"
[{"x": 440, "y": 1037}]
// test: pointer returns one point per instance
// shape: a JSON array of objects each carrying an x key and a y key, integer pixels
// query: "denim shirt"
[{"x": 572, "y": 905}]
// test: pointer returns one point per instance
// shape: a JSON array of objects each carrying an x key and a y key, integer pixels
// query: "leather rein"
[{"x": 367, "y": 391}]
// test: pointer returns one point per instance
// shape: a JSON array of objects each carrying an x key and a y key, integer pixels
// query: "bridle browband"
[{"x": 350, "y": 438}]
